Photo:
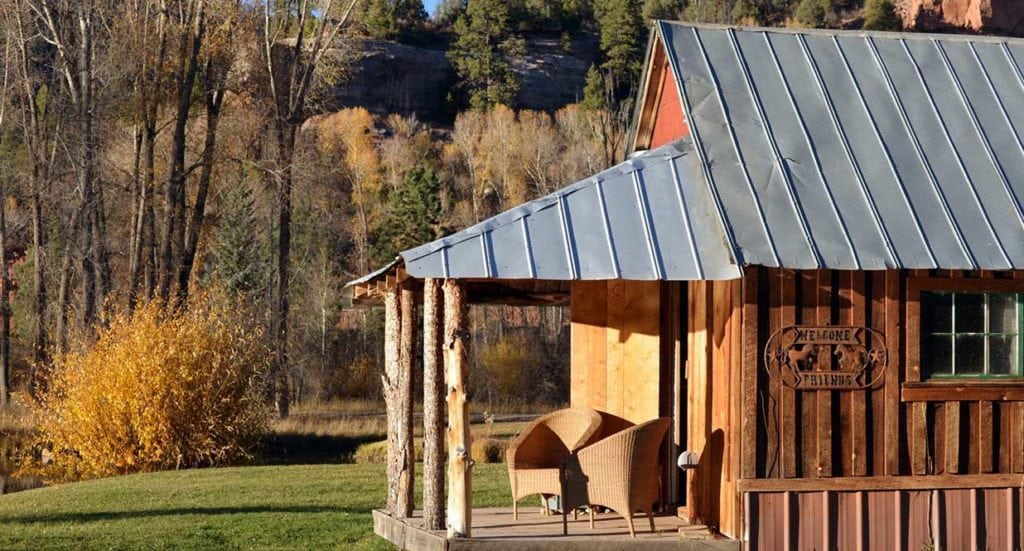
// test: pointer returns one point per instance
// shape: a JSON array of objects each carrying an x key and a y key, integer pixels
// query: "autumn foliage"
[{"x": 157, "y": 390}]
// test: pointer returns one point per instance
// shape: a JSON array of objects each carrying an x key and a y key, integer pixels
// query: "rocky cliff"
[
  {"x": 387, "y": 77},
  {"x": 1005, "y": 17}
]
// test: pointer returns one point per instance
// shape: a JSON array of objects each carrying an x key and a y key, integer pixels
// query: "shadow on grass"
[
  {"x": 293, "y": 448},
  {"x": 98, "y": 516}
]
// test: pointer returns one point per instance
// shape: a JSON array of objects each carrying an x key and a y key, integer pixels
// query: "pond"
[{"x": 12, "y": 442}]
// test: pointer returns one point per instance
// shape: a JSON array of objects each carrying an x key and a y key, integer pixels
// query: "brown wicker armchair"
[
  {"x": 620, "y": 472},
  {"x": 535, "y": 456}
]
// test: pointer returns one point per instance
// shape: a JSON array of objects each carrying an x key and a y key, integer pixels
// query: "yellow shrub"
[
  {"x": 157, "y": 390},
  {"x": 489, "y": 450}
]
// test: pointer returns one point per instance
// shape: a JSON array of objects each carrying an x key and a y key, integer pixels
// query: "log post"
[
  {"x": 460, "y": 462},
  {"x": 407, "y": 357},
  {"x": 397, "y": 384},
  {"x": 389, "y": 384},
  {"x": 433, "y": 398}
]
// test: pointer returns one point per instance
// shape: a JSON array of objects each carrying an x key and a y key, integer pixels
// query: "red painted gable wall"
[{"x": 669, "y": 121}]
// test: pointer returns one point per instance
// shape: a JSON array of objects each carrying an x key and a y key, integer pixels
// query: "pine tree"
[
  {"x": 880, "y": 15},
  {"x": 662, "y": 9},
  {"x": 481, "y": 52},
  {"x": 238, "y": 257},
  {"x": 814, "y": 13},
  {"x": 391, "y": 19},
  {"x": 747, "y": 11},
  {"x": 623, "y": 35},
  {"x": 414, "y": 214}
]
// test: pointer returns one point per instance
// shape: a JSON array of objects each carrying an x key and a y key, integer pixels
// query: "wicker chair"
[
  {"x": 620, "y": 472},
  {"x": 535, "y": 456}
]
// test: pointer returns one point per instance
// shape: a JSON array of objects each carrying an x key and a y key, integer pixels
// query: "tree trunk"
[
  {"x": 174, "y": 210},
  {"x": 390, "y": 382},
  {"x": 433, "y": 414},
  {"x": 407, "y": 357},
  {"x": 214, "y": 100},
  {"x": 5, "y": 305},
  {"x": 87, "y": 162},
  {"x": 460, "y": 441},
  {"x": 286, "y": 133}
]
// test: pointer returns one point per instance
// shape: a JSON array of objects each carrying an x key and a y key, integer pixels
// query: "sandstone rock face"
[
  {"x": 386, "y": 77},
  {"x": 1005, "y": 17}
]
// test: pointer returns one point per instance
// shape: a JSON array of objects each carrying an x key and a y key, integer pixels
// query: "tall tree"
[
  {"x": 71, "y": 28},
  {"x": 481, "y": 53},
  {"x": 41, "y": 126},
  {"x": 414, "y": 214},
  {"x": 151, "y": 30},
  {"x": 291, "y": 66},
  {"x": 191, "y": 16}
]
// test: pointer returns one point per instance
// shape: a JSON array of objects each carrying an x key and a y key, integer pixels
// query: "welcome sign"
[{"x": 824, "y": 357}]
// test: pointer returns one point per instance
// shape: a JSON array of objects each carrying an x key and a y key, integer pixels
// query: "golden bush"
[
  {"x": 489, "y": 450},
  {"x": 157, "y": 390}
]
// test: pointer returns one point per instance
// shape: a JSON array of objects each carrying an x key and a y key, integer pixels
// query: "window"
[{"x": 970, "y": 334}]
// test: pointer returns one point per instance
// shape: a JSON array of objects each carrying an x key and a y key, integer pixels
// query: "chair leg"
[
  {"x": 565, "y": 523},
  {"x": 629, "y": 521},
  {"x": 515, "y": 509},
  {"x": 545, "y": 506},
  {"x": 591, "y": 509},
  {"x": 650, "y": 517},
  {"x": 575, "y": 514}
]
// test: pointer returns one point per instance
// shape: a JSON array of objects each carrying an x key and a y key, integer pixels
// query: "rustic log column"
[
  {"x": 397, "y": 383},
  {"x": 389, "y": 383},
  {"x": 407, "y": 357},
  {"x": 433, "y": 398},
  {"x": 456, "y": 341}
]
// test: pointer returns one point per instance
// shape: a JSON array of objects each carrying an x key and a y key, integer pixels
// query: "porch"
[{"x": 495, "y": 529}]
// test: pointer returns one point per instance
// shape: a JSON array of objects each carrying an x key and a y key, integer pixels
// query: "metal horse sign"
[{"x": 813, "y": 357}]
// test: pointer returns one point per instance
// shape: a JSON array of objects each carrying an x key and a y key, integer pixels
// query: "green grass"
[{"x": 278, "y": 507}]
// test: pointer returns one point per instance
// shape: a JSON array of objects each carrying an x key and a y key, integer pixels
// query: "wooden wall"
[
  {"x": 661, "y": 119},
  {"x": 712, "y": 374},
  {"x": 616, "y": 348},
  {"x": 883, "y": 431}
]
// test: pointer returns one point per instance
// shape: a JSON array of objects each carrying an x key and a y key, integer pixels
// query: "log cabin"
[{"x": 812, "y": 262}]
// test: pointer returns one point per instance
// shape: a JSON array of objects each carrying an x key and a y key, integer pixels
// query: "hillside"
[{"x": 389, "y": 77}]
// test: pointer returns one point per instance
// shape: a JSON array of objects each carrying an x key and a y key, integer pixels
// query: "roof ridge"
[{"x": 854, "y": 33}]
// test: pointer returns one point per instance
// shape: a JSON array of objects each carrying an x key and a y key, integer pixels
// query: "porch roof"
[{"x": 808, "y": 149}]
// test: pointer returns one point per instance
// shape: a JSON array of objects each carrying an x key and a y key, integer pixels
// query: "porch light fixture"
[{"x": 687, "y": 460}]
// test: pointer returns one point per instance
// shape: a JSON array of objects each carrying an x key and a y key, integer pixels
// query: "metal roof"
[
  {"x": 648, "y": 218},
  {"x": 810, "y": 149}
]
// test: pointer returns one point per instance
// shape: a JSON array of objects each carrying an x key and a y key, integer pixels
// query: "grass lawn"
[{"x": 280, "y": 507}]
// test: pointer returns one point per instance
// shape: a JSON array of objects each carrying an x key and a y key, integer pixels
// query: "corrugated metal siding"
[
  {"x": 810, "y": 149},
  {"x": 649, "y": 218},
  {"x": 890, "y": 520},
  {"x": 859, "y": 151}
]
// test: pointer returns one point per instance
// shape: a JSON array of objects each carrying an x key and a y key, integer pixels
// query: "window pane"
[
  {"x": 936, "y": 355},
  {"x": 936, "y": 313},
  {"x": 1002, "y": 313},
  {"x": 970, "y": 354},
  {"x": 1002, "y": 355},
  {"x": 970, "y": 313}
]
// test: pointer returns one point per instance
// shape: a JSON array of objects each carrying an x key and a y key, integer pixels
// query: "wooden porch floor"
[{"x": 496, "y": 530}]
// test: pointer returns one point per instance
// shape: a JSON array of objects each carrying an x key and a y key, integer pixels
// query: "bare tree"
[
  {"x": 290, "y": 69},
  {"x": 5, "y": 281},
  {"x": 70, "y": 27},
  {"x": 191, "y": 16},
  {"x": 148, "y": 94}
]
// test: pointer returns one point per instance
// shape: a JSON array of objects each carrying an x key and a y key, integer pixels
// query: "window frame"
[
  {"x": 917, "y": 285},
  {"x": 986, "y": 335}
]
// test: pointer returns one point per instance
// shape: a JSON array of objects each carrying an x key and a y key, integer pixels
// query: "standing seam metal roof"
[{"x": 809, "y": 149}]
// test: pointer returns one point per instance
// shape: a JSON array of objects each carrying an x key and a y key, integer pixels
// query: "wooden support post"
[
  {"x": 407, "y": 356},
  {"x": 460, "y": 463},
  {"x": 390, "y": 384},
  {"x": 433, "y": 415}
]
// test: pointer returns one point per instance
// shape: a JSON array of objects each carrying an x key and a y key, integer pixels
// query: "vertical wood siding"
[{"x": 865, "y": 432}]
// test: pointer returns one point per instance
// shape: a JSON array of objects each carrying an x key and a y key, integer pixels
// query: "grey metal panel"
[
  {"x": 843, "y": 150},
  {"x": 889, "y": 150},
  {"x": 652, "y": 217}
]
